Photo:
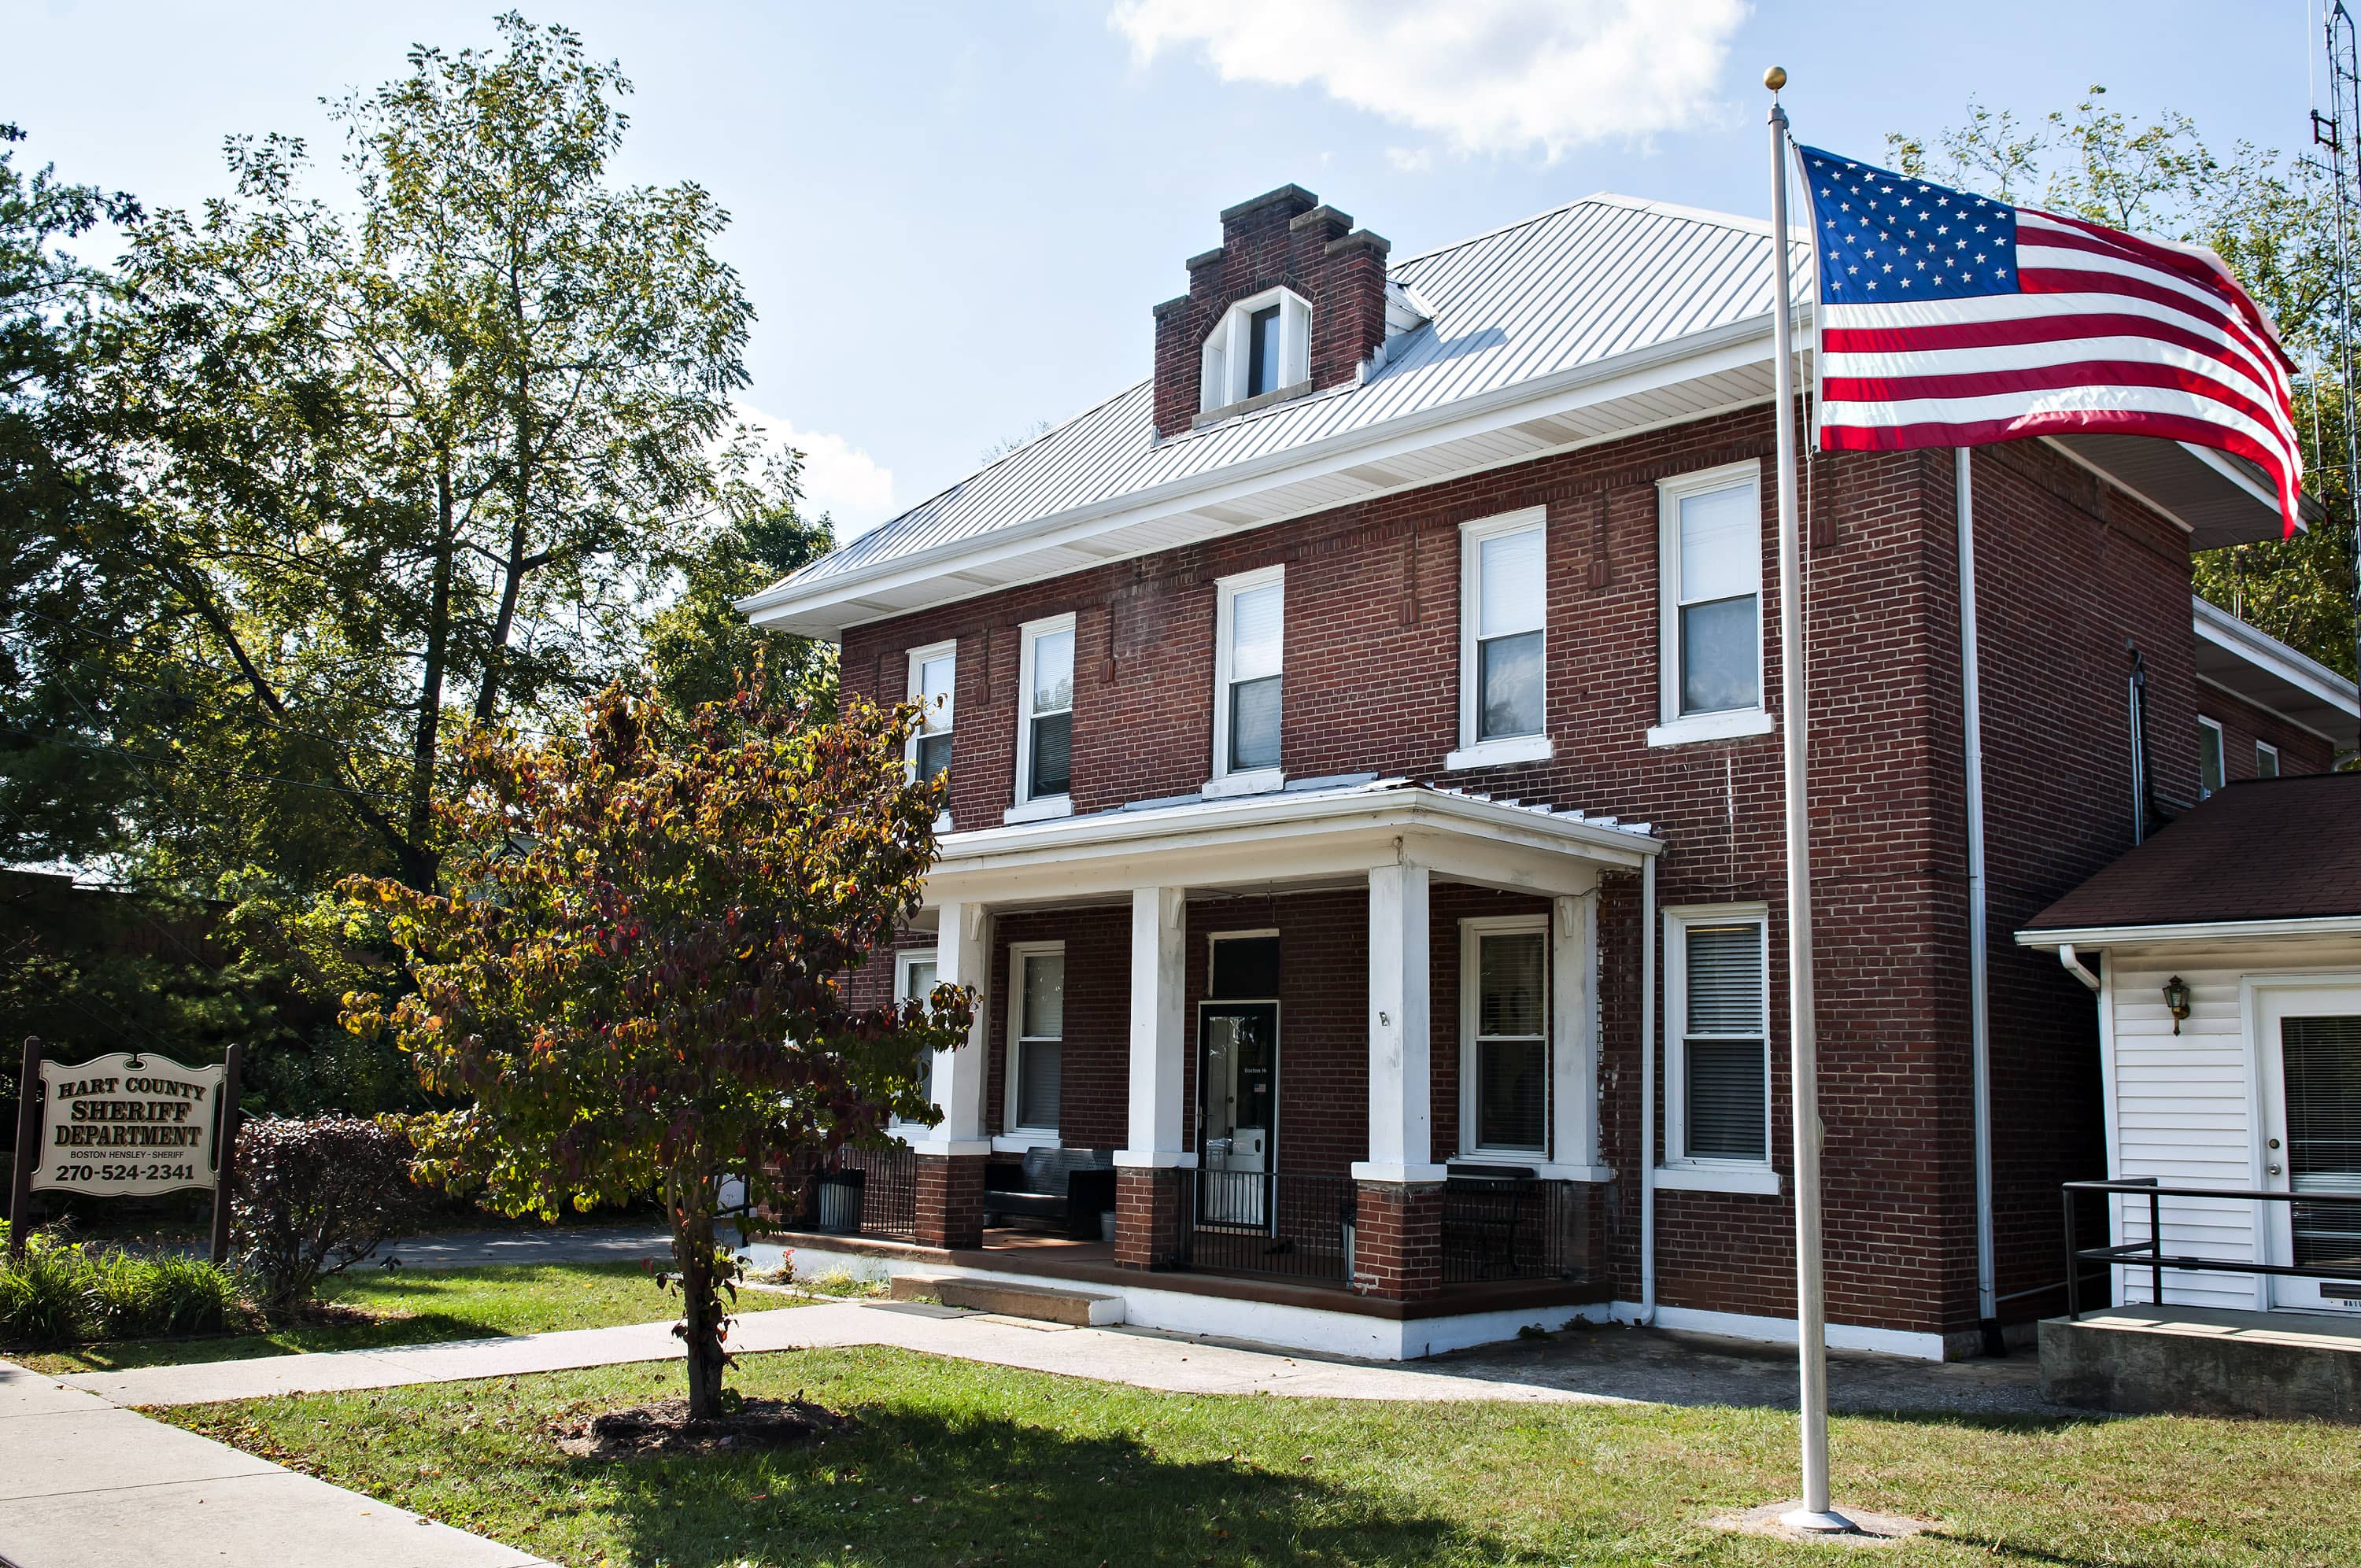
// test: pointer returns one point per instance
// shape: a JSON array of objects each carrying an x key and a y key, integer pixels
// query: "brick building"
[{"x": 1365, "y": 823}]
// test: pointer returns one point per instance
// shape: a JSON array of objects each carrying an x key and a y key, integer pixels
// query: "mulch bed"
[{"x": 662, "y": 1428}]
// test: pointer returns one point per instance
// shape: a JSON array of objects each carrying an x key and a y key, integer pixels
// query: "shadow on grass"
[
  {"x": 913, "y": 1487},
  {"x": 420, "y": 1328}
]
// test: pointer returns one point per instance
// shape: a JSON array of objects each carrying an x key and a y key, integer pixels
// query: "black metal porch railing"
[
  {"x": 869, "y": 1193},
  {"x": 2314, "y": 1215},
  {"x": 1497, "y": 1228},
  {"x": 1274, "y": 1223}
]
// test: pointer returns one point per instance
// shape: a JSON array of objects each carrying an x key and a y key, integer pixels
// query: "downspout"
[
  {"x": 1648, "y": 1091},
  {"x": 1979, "y": 996}
]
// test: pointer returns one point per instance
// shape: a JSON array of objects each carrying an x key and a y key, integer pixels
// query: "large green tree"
[
  {"x": 2269, "y": 216},
  {"x": 410, "y": 461},
  {"x": 636, "y": 981}
]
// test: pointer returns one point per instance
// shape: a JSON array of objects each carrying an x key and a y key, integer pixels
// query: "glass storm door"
[
  {"x": 2311, "y": 1060},
  {"x": 1237, "y": 1080}
]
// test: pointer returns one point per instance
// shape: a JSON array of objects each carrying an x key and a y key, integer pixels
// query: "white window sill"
[
  {"x": 1262, "y": 781},
  {"x": 1023, "y": 1138},
  {"x": 1493, "y": 754},
  {"x": 1727, "y": 726},
  {"x": 1040, "y": 810},
  {"x": 1543, "y": 1170},
  {"x": 1759, "y": 1179},
  {"x": 942, "y": 822}
]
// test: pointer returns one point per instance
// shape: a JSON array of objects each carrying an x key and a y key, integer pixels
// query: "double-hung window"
[
  {"x": 1036, "y": 1034},
  {"x": 1710, "y": 565},
  {"x": 1718, "y": 1037},
  {"x": 1503, "y": 617},
  {"x": 934, "y": 675},
  {"x": 2266, "y": 759},
  {"x": 1249, "y": 635},
  {"x": 1044, "y": 719},
  {"x": 1504, "y": 1102},
  {"x": 2209, "y": 757}
]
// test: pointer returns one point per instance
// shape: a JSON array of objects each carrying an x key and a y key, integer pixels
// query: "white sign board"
[{"x": 126, "y": 1125}]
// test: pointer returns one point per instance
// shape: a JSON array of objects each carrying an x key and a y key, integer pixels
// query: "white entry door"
[{"x": 2310, "y": 1051}]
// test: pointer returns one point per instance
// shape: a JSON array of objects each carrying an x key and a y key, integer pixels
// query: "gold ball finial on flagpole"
[{"x": 1776, "y": 78}]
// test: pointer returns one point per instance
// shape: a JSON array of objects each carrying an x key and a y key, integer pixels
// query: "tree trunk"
[{"x": 701, "y": 1325}]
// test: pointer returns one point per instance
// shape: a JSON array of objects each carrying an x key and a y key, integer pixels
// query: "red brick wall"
[{"x": 2068, "y": 573}]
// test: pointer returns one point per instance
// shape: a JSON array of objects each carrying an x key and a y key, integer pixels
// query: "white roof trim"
[
  {"x": 1718, "y": 350},
  {"x": 2197, "y": 931},
  {"x": 2260, "y": 647}
]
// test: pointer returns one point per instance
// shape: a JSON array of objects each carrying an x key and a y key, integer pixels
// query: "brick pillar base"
[
  {"x": 951, "y": 1200},
  {"x": 1148, "y": 1217},
  {"x": 1398, "y": 1241}
]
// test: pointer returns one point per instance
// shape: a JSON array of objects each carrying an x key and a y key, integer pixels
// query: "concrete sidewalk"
[
  {"x": 1142, "y": 1359},
  {"x": 81, "y": 1482}
]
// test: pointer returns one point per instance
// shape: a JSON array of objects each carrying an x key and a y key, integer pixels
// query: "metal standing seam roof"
[{"x": 1574, "y": 285}]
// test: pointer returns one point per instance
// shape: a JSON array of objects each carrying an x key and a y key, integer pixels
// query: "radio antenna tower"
[{"x": 2337, "y": 132}]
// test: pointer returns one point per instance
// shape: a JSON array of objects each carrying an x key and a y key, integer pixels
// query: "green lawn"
[
  {"x": 424, "y": 1305},
  {"x": 957, "y": 1464}
]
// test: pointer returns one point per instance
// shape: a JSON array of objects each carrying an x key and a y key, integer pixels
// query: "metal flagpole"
[{"x": 1811, "y": 1307}]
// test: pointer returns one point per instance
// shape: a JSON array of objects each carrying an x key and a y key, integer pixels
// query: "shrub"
[
  {"x": 316, "y": 1194},
  {"x": 42, "y": 1296},
  {"x": 132, "y": 1297},
  {"x": 65, "y": 1293}
]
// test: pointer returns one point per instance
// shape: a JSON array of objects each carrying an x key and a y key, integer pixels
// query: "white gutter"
[
  {"x": 1648, "y": 1092},
  {"x": 1978, "y": 990},
  {"x": 2077, "y": 968},
  {"x": 2104, "y": 936}
]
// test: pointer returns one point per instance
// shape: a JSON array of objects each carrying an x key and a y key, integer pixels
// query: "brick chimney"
[{"x": 1282, "y": 237}]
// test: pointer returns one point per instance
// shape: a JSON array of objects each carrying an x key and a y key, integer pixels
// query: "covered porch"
[{"x": 1324, "y": 1049}]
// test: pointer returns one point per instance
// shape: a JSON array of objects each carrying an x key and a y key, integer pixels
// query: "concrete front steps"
[
  {"x": 1074, "y": 1309},
  {"x": 2205, "y": 1361}
]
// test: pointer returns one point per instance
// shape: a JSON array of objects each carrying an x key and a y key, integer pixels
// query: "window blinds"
[{"x": 1725, "y": 1112}]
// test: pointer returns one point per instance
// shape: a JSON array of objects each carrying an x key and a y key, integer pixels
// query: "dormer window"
[{"x": 1262, "y": 344}]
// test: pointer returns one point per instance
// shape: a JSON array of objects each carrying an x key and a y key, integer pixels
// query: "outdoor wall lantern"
[{"x": 2176, "y": 1001}]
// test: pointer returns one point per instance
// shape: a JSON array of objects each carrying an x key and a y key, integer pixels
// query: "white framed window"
[
  {"x": 2266, "y": 759},
  {"x": 1503, "y": 635},
  {"x": 1709, "y": 635},
  {"x": 1504, "y": 1036},
  {"x": 1717, "y": 1048},
  {"x": 1036, "y": 1035},
  {"x": 1262, "y": 344},
  {"x": 1250, "y": 638},
  {"x": 915, "y": 970},
  {"x": 2209, "y": 756},
  {"x": 934, "y": 680},
  {"x": 1045, "y": 720}
]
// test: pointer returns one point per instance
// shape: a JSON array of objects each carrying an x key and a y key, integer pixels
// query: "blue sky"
[{"x": 953, "y": 218}]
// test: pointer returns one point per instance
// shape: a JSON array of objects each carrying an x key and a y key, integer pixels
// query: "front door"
[
  {"x": 2312, "y": 1112},
  {"x": 1237, "y": 1115}
]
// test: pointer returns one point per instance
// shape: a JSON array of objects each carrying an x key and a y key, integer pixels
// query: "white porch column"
[
  {"x": 1159, "y": 1031},
  {"x": 962, "y": 956},
  {"x": 1401, "y": 1120},
  {"x": 1573, "y": 1033}
]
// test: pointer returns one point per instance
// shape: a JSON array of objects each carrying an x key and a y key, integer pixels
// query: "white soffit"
[{"x": 2257, "y": 668}]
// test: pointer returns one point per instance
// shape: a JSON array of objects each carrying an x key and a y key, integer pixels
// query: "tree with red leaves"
[{"x": 633, "y": 971}]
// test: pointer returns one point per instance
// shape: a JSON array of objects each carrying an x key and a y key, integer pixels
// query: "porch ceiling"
[{"x": 1294, "y": 839}]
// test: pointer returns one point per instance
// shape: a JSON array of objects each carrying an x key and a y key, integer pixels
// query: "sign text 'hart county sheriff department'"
[{"x": 127, "y": 1126}]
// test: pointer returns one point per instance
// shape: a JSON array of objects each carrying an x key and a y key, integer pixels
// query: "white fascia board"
[
  {"x": 1715, "y": 352},
  {"x": 1260, "y": 841},
  {"x": 2200, "y": 931},
  {"x": 2274, "y": 658}
]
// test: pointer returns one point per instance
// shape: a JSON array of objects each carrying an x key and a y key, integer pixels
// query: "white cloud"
[
  {"x": 853, "y": 488},
  {"x": 1487, "y": 76}
]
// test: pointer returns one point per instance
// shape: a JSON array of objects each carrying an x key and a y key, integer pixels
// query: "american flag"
[{"x": 1950, "y": 319}]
